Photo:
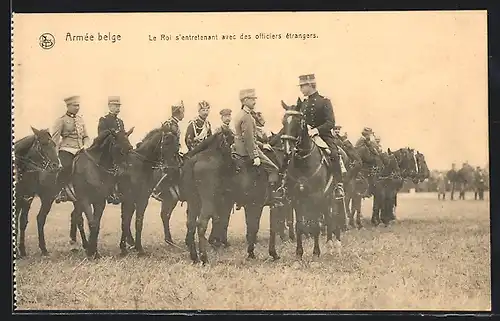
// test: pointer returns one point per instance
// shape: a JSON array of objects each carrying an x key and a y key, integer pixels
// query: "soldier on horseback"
[
  {"x": 225, "y": 117},
  {"x": 70, "y": 135},
  {"x": 113, "y": 123},
  {"x": 172, "y": 126},
  {"x": 320, "y": 119},
  {"x": 246, "y": 143},
  {"x": 199, "y": 128}
]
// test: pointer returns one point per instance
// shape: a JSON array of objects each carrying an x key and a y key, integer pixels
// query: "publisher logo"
[{"x": 47, "y": 41}]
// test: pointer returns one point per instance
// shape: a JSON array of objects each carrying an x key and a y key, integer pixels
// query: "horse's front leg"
[
  {"x": 77, "y": 222},
  {"x": 98, "y": 211},
  {"x": 22, "y": 210},
  {"x": 142, "y": 203},
  {"x": 167, "y": 207},
  {"x": 46, "y": 204},
  {"x": 300, "y": 230},
  {"x": 253, "y": 213},
  {"x": 193, "y": 211},
  {"x": 127, "y": 209},
  {"x": 84, "y": 204},
  {"x": 275, "y": 220}
]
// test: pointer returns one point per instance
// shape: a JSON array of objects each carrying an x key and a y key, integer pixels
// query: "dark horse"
[
  {"x": 357, "y": 181},
  {"x": 36, "y": 167},
  {"x": 94, "y": 171},
  {"x": 158, "y": 152},
  {"x": 308, "y": 182},
  {"x": 206, "y": 172},
  {"x": 386, "y": 184},
  {"x": 413, "y": 167}
]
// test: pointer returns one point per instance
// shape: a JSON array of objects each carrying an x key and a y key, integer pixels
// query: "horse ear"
[
  {"x": 299, "y": 101},
  {"x": 389, "y": 151},
  {"x": 35, "y": 131},
  {"x": 130, "y": 131},
  {"x": 284, "y": 105}
]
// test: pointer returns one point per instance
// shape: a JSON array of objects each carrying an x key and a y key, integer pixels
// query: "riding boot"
[{"x": 337, "y": 178}]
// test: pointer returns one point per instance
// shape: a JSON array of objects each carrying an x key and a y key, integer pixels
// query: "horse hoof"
[
  {"x": 251, "y": 256},
  {"x": 123, "y": 253},
  {"x": 142, "y": 253},
  {"x": 45, "y": 253}
]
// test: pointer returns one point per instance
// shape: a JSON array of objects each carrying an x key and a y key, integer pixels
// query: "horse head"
[
  {"x": 112, "y": 147},
  {"x": 294, "y": 127},
  {"x": 43, "y": 151},
  {"x": 423, "y": 169}
]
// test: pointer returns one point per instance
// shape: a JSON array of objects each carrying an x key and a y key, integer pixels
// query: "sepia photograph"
[{"x": 251, "y": 161}]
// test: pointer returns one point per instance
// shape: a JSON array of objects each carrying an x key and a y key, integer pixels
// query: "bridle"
[
  {"x": 45, "y": 165},
  {"x": 159, "y": 162},
  {"x": 302, "y": 180}
]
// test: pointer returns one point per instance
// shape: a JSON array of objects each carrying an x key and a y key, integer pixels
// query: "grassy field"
[{"x": 436, "y": 257}]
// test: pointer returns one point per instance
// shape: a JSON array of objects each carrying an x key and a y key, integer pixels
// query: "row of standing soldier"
[{"x": 70, "y": 134}]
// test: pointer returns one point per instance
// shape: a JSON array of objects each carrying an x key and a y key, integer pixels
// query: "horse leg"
[
  {"x": 167, "y": 207},
  {"x": 85, "y": 205},
  {"x": 77, "y": 221},
  {"x": 127, "y": 209},
  {"x": 98, "y": 211},
  {"x": 22, "y": 210},
  {"x": 73, "y": 227},
  {"x": 316, "y": 232},
  {"x": 219, "y": 228},
  {"x": 142, "y": 203},
  {"x": 253, "y": 213},
  {"x": 46, "y": 204},
  {"x": 275, "y": 226},
  {"x": 193, "y": 209},
  {"x": 207, "y": 211},
  {"x": 289, "y": 223},
  {"x": 300, "y": 230},
  {"x": 357, "y": 210}
]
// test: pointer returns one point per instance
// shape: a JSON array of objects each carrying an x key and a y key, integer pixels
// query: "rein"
[
  {"x": 157, "y": 163},
  {"x": 36, "y": 167},
  {"x": 111, "y": 171}
]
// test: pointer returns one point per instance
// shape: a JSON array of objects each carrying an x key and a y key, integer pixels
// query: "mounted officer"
[
  {"x": 378, "y": 145},
  {"x": 172, "y": 125},
  {"x": 113, "y": 123},
  {"x": 225, "y": 117},
  {"x": 365, "y": 140},
  {"x": 345, "y": 146},
  {"x": 320, "y": 118},
  {"x": 245, "y": 143},
  {"x": 199, "y": 128},
  {"x": 70, "y": 135}
]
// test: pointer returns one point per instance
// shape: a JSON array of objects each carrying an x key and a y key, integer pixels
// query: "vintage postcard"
[{"x": 251, "y": 161}]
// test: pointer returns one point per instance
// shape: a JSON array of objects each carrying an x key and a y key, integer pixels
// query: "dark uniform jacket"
[
  {"x": 172, "y": 125},
  {"x": 197, "y": 131},
  {"x": 110, "y": 122},
  {"x": 452, "y": 175},
  {"x": 319, "y": 114}
]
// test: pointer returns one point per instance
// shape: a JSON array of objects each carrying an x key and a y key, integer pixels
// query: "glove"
[
  {"x": 267, "y": 147},
  {"x": 256, "y": 161},
  {"x": 313, "y": 132}
]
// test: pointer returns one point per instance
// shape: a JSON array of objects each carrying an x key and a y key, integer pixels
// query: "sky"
[{"x": 419, "y": 79}]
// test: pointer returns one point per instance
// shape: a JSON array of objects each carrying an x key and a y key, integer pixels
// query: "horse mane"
[
  {"x": 23, "y": 144},
  {"x": 99, "y": 140},
  {"x": 150, "y": 134},
  {"x": 207, "y": 144}
]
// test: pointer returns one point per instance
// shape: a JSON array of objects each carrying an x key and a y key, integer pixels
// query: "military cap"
[
  {"x": 178, "y": 107},
  {"x": 203, "y": 105},
  {"x": 247, "y": 93},
  {"x": 337, "y": 127},
  {"x": 367, "y": 130},
  {"x": 72, "y": 100},
  {"x": 225, "y": 112},
  {"x": 114, "y": 100},
  {"x": 307, "y": 79}
]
